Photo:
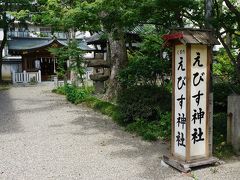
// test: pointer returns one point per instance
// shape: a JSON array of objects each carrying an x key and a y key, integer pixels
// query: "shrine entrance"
[
  {"x": 48, "y": 67},
  {"x": 39, "y": 58}
]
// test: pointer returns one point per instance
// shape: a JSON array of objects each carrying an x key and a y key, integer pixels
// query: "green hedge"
[
  {"x": 153, "y": 130},
  {"x": 143, "y": 102},
  {"x": 74, "y": 94}
]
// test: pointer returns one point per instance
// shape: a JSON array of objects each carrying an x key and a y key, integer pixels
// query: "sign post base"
[{"x": 186, "y": 166}]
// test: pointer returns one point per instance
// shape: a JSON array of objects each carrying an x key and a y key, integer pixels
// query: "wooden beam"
[{"x": 186, "y": 167}]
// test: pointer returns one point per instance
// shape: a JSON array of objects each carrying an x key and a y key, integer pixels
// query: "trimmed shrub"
[
  {"x": 154, "y": 130},
  {"x": 60, "y": 90},
  {"x": 221, "y": 148},
  {"x": 74, "y": 94},
  {"x": 143, "y": 102}
]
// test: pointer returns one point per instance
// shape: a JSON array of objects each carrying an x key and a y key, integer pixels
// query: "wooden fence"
[{"x": 26, "y": 77}]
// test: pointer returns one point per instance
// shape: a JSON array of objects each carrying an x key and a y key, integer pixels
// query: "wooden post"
[
  {"x": 40, "y": 78},
  {"x": 54, "y": 65},
  {"x": 25, "y": 77}
]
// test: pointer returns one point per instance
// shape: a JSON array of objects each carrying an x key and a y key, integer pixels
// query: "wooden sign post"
[{"x": 190, "y": 100}]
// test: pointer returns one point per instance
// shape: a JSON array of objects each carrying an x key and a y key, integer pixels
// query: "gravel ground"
[{"x": 44, "y": 137}]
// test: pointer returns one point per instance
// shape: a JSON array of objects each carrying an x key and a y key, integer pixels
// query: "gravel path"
[{"x": 44, "y": 137}]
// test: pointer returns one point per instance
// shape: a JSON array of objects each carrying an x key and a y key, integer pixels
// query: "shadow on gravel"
[
  {"x": 128, "y": 145},
  {"x": 8, "y": 118},
  {"x": 44, "y": 108}
]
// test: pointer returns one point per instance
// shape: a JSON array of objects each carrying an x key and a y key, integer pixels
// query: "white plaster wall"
[{"x": 7, "y": 69}]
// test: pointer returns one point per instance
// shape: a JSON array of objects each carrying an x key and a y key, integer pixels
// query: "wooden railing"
[{"x": 26, "y": 77}]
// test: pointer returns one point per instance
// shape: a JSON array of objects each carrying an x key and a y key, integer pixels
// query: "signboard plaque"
[{"x": 190, "y": 103}]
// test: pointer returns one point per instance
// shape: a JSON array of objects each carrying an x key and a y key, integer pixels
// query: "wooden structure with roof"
[
  {"x": 191, "y": 60},
  {"x": 36, "y": 56}
]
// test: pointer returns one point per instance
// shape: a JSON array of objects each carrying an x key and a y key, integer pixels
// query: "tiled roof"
[
  {"x": 96, "y": 38},
  {"x": 22, "y": 44}
]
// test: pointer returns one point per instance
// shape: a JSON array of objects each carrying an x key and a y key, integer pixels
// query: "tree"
[
  {"x": 226, "y": 26},
  {"x": 116, "y": 17},
  {"x": 9, "y": 12},
  {"x": 119, "y": 16},
  {"x": 68, "y": 16},
  {"x": 77, "y": 60},
  {"x": 147, "y": 66},
  {"x": 222, "y": 16}
]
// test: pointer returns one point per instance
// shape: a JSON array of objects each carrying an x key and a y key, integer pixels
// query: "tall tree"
[
  {"x": 68, "y": 16},
  {"x": 9, "y": 12},
  {"x": 226, "y": 25},
  {"x": 117, "y": 17}
]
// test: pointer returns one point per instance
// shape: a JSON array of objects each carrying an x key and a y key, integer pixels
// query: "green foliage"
[
  {"x": 66, "y": 15},
  {"x": 74, "y": 94},
  {"x": 223, "y": 69},
  {"x": 219, "y": 127},
  {"x": 154, "y": 130},
  {"x": 224, "y": 151},
  {"x": 118, "y": 14},
  {"x": 33, "y": 81},
  {"x": 146, "y": 66},
  {"x": 221, "y": 91},
  {"x": 72, "y": 53},
  {"x": 62, "y": 60},
  {"x": 77, "y": 95},
  {"x": 225, "y": 81},
  {"x": 18, "y": 9},
  {"x": 104, "y": 107},
  {"x": 173, "y": 13},
  {"x": 143, "y": 102},
  {"x": 221, "y": 148},
  {"x": 60, "y": 90},
  {"x": 4, "y": 87}
]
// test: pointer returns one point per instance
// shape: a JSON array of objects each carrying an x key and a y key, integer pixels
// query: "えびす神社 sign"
[
  {"x": 190, "y": 100},
  {"x": 191, "y": 78}
]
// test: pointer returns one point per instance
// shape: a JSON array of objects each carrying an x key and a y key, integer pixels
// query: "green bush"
[
  {"x": 221, "y": 91},
  {"x": 143, "y": 102},
  {"x": 74, "y": 94},
  {"x": 147, "y": 66},
  {"x": 78, "y": 94},
  {"x": 221, "y": 148},
  {"x": 152, "y": 130},
  {"x": 219, "y": 126},
  {"x": 104, "y": 107},
  {"x": 60, "y": 90},
  {"x": 4, "y": 87}
]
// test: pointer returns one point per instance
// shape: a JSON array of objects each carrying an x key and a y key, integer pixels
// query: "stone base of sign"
[{"x": 186, "y": 167}]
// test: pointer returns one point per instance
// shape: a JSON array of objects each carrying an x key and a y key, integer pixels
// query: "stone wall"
[{"x": 233, "y": 135}]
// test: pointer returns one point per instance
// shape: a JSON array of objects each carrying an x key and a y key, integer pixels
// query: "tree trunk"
[
  {"x": 208, "y": 25},
  {"x": 119, "y": 60},
  {"x": 208, "y": 13}
]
